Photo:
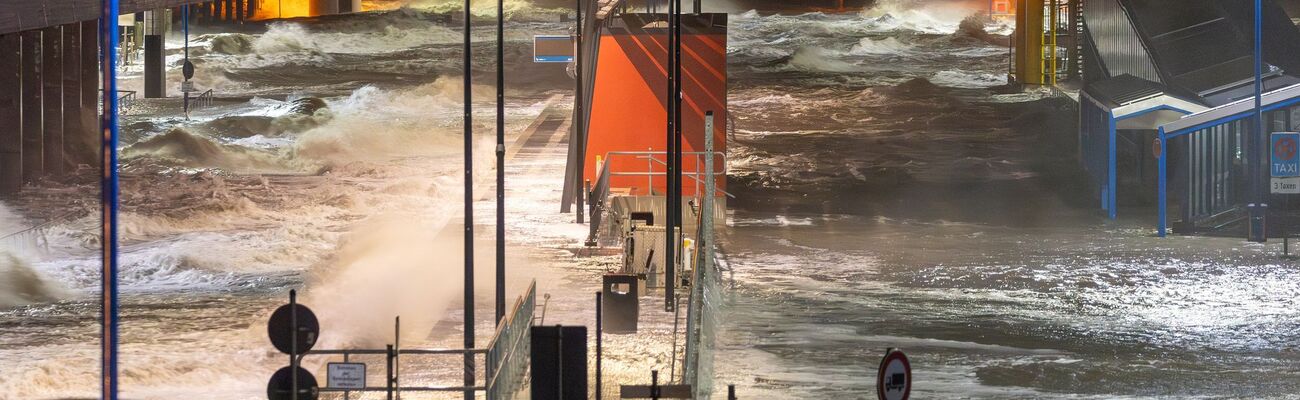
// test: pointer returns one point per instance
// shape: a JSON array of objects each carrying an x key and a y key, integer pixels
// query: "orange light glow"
[{"x": 272, "y": 9}]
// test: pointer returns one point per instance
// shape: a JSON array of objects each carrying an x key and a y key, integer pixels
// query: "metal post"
[
  {"x": 388, "y": 373},
  {"x": 347, "y": 394},
  {"x": 293, "y": 342},
  {"x": 501, "y": 165},
  {"x": 1258, "y": 204},
  {"x": 469, "y": 210},
  {"x": 185, "y": 24},
  {"x": 1162, "y": 183},
  {"x": 1111, "y": 180},
  {"x": 731, "y": 392},
  {"x": 580, "y": 133},
  {"x": 654, "y": 375},
  {"x": 599, "y": 331},
  {"x": 677, "y": 134},
  {"x": 670, "y": 206},
  {"x": 397, "y": 356},
  {"x": 108, "y": 189}
]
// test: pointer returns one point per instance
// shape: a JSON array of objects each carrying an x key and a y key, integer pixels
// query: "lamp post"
[
  {"x": 109, "y": 199},
  {"x": 1258, "y": 206}
]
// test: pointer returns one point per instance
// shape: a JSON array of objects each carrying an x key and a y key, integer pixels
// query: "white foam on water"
[{"x": 962, "y": 79}]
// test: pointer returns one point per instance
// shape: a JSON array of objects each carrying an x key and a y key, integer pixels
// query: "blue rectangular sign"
[
  {"x": 552, "y": 48},
  {"x": 1284, "y": 153}
]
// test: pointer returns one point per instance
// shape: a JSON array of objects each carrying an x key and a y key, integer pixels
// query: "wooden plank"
[{"x": 25, "y": 15}]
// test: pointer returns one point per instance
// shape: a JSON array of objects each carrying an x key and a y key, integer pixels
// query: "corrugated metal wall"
[
  {"x": 1211, "y": 158},
  {"x": 1117, "y": 42},
  {"x": 1094, "y": 143}
]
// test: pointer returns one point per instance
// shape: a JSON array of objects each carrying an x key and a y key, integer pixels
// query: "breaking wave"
[
  {"x": 420, "y": 120},
  {"x": 21, "y": 285},
  {"x": 886, "y": 46},
  {"x": 961, "y": 79},
  {"x": 820, "y": 60}
]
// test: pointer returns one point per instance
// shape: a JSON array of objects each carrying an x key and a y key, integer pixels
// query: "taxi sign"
[
  {"x": 894, "y": 379},
  {"x": 1285, "y": 154}
]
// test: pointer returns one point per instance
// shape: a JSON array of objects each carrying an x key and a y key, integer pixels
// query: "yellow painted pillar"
[{"x": 1029, "y": 41}]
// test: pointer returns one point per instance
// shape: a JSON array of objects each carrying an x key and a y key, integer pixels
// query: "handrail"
[
  {"x": 203, "y": 100},
  {"x": 651, "y": 156},
  {"x": 505, "y": 357},
  {"x": 508, "y": 353},
  {"x": 125, "y": 98}
]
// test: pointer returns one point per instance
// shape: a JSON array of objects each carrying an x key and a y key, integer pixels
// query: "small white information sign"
[
  {"x": 346, "y": 376},
  {"x": 1285, "y": 185},
  {"x": 187, "y": 87}
]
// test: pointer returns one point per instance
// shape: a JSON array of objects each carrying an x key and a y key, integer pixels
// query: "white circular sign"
[{"x": 894, "y": 381}]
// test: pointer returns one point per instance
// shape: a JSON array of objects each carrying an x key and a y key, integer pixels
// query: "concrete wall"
[{"x": 48, "y": 99}]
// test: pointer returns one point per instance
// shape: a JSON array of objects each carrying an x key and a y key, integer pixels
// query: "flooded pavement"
[
  {"x": 891, "y": 193},
  {"x": 891, "y": 196}
]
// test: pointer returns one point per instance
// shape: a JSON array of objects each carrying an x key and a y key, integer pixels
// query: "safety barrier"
[
  {"x": 508, "y": 353},
  {"x": 204, "y": 100},
  {"x": 506, "y": 356}
]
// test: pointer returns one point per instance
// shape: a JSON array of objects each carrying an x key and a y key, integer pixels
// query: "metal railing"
[
  {"x": 204, "y": 100},
  {"x": 509, "y": 352},
  {"x": 653, "y": 158},
  {"x": 506, "y": 357},
  {"x": 125, "y": 99},
  {"x": 392, "y": 373}
]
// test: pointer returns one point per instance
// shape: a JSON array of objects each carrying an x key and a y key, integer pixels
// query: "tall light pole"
[
  {"x": 501, "y": 163},
  {"x": 469, "y": 212},
  {"x": 108, "y": 189},
  {"x": 1258, "y": 206},
  {"x": 670, "y": 139}
]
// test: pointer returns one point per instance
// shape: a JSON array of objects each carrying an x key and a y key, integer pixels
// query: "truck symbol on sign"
[{"x": 896, "y": 382}]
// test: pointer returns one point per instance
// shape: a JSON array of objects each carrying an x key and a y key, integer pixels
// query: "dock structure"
[
  {"x": 1166, "y": 104},
  {"x": 49, "y": 72},
  {"x": 1166, "y": 92}
]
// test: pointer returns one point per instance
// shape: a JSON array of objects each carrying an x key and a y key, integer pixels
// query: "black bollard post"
[
  {"x": 599, "y": 337},
  {"x": 293, "y": 341},
  {"x": 654, "y": 385},
  {"x": 731, "y": 392},
  {"x": 389, "y": 373}
]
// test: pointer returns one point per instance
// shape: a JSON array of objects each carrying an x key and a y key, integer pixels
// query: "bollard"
[
  {"x": 598, "y": 345},
  {"x": 293, "y": 339},
  {"x": 731, "y": 392},
  {"x": 654, "y": 384},
  {"x": 389, "y": 373}
]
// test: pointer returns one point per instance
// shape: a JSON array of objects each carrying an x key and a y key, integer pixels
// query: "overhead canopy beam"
[{"x": 24, "y": 15}]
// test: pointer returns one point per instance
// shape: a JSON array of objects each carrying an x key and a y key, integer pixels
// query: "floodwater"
[
  {"x": 891, "y": 194},
  {"x": 891, "y": 197}
]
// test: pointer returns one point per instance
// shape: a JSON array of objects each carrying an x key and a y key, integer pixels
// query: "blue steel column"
[
  {"x": 1258, "y": 203},
  {"x": 1161, "y": 195},
  {"x": 1111, "y": 169},
  {"x": 108, "y": 200}
]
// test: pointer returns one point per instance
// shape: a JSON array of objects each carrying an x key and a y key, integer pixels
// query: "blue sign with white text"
[{"x": 1285, "y": 159}]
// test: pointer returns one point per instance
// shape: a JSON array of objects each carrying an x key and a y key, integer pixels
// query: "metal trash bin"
[{"x": 619, "y": 303}]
